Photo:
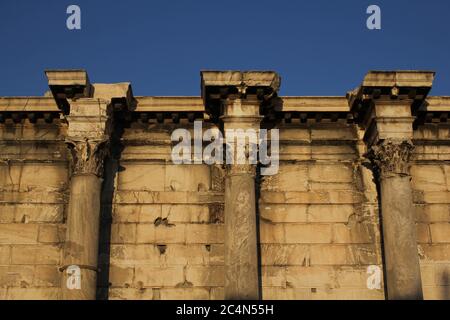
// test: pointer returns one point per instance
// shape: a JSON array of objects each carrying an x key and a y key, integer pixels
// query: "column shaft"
[
  {"x": 399, "y": 234},
  {"x": 241, "y": 259},
  {"x": 82, "y": 235},
  {"x": 403, "y": 278}
]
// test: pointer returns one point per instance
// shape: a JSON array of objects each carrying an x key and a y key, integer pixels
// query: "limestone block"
[
  {"x": 423, "y": 233},
  {"x": 50, "y": 233},
  {"x": 283, "y": 213},
  {"x": 132, "y": 254},
  {"x": 147, "y": 152},
  {"x": 436, "y": 197},
  {"x": 271, "y": 232},
  {"x": 433, "y": 213},
  {"x": 331, "y": 173},
  {"x": 37, "y": 177},
  {"x": 121, "y": 276},
  {"x": 209, "y": 276},
  {"x": 442, "y": 274},
  {"x": 47, "y": 276},
  {"x": 136, "y": 213},
  {"x": 311, "y": 197},
  {"x": 26, "y": 131},
  {"x": 187, "y": 178},
  {"x": 318, "y": 186},
  {"x": 5, "y": 255},
  {"x": 31, "y": 213},
  {"x": 18, "y": 233},
  {"x": 435, "y": 252},
  {"x": 284, "y": 255},
  {"x": 427, "y": 273},
  {"x": 123, "y": 233},
  {"x": 158, "y": 197},
  {"x": 310, "y": 277},
  {"x": 353, "y": 277},
  {"x": 185, "y": 255},
  {"x": 428, "y": 178},
  {"x": 171, "y": 234},
  {"x": 347, "y": 294},
  {"x": 273, "y": 276},
  {"x": 357, "y": 233},
  {"x": 289, "y": 178},
  {"x": 333, "y": 255},
  {"x": 333, "y": 132},
  {"x": 217, "y": 254},
  {"x": 149, "y": 276},
  {"x": 333, "y": 153},
  {"x": 295, "y": 134},
  {"x": 185, "y": 294},
  {"x": 436, "y": 292},
  {"x": 16, "y": 276},
  {"x": 33, "y": 197},
  {"x": 34, "y": 151},
  {"x": 447, "y": 175},
  {"x": 33, "y": 294},
  {"x": 149, "y": 233},
  {"x": 308, "y": 233},
  {"x": 130, "y": 294},
  {"x": 205, "y": 233},
  {"x": 217, "y": 293},
  {"x": 330, "y": 213},
  {"x": 440, "y": 232},
  {"x": 289, "y": 152},
  {"x": 277, "y": 293},
  {"x": 142, "y": 177},
  {"x": 35, "y": 254},
  {"x": 159, "y": 255},
  {"x": 186, "y": 213}
]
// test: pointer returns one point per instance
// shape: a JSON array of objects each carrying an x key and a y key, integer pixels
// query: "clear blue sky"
[{"x": 319, "y": 47}]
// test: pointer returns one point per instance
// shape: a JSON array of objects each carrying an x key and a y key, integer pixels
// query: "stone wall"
[
  {"x": 167, "y": 223},
  {"x": 33, "y": 186},
  {"x": 162, "y": 226},
  {"x": 431, "y": 184},
  {"x": 319, "y": 222},
  {"x": 319, "y": 225}
]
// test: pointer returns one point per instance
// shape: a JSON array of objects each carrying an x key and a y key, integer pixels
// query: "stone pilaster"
[
  {"x": 89, "y": 112},
  {"x": 391, "y": 160},
  {"x": 236, "y": 98},
  {"x": 88, "y": 143},
  {"x": 384, "y": 106}
]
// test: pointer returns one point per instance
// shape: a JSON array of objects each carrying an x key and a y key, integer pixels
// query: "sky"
[{"x": 319, "y": 47}]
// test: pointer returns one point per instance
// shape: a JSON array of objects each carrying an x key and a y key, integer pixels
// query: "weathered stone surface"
[{"x": 319, "y": 216}]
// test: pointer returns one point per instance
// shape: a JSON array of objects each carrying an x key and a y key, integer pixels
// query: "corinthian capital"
[
  {"x": 391, "y": 157},
  {"x": 87, "y": 156}
]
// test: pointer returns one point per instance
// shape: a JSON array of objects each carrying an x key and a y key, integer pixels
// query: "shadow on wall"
[
  {"x": 112, "y": 167},
  {"x": 445, "y": 280}
]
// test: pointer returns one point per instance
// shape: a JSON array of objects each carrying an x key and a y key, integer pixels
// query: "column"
[
  {"x": 384, "y": 105},
  {"x": 83, "y": 216},
  {"x": 391, "y": 158},
  {"x": 238, "y": 101},
  {"x": 88, "y": 110},
  {"x": 88, "y": 142},
  {"x": 241, "y": 247}
]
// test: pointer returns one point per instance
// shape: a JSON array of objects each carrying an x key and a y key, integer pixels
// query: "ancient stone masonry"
[{"x": 358, "y": 209}]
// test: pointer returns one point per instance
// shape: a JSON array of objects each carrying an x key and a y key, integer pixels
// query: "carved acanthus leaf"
[
  {"x": 392, "y": 157},
  {"x": 87, "y": 156}
]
